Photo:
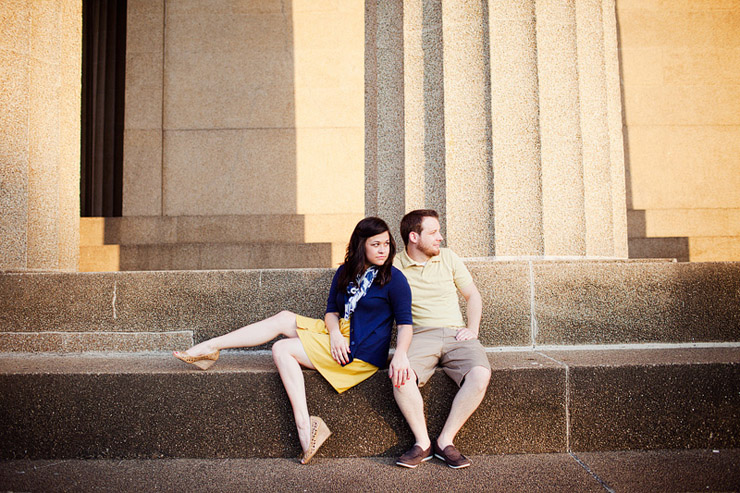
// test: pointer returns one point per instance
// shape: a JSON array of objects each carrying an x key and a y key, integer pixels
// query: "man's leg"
[{"x": 466, "y": 401}]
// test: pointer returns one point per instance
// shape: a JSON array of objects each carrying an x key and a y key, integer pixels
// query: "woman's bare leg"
[
  {"x": 289, "y": 356},
  {"x": 284, "y": 323}
]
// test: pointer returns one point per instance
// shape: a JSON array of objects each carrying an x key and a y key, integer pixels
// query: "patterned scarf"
[{"x": 356, "y": 290}]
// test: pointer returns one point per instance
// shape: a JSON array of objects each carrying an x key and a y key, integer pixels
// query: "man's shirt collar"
[{"x": 407, "y": 261}]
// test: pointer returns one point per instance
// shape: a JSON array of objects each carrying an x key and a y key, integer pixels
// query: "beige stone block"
[
  {"x": 143, "y": 107},
  {"x": 714, "y": 249},
  {"x": 250, "y": 89},
  {"x": 685, "y": 222},
  {"x": 712, "y": 66},
  {"x": 329, "y": 108},
  {"x": 100, "y": 258},
  {"x": 329, "y": 169},
  {"x": 46, "y": 32},
  {"x": 230, "y": 172},
  {"x": 142, "y": 172},
  {"x": 671, "y": 104},
  {"x": 92, "y": 231},
  {"x": 331, "y": 228},
  {"x": 677, "y": 5},
  {"x": 642, "y": 66},
  {"x": 14, "y": 101},
  {"x": 330, "y": 29},
  {"x": 15, "y": 23},
  {"x": 684, "y": 167},
  {"x": 224, "y": 34},
  {"x": 676, "y": 28},
  {"x": 145, "y": 26},
  {"x": 229, "y": 7}
]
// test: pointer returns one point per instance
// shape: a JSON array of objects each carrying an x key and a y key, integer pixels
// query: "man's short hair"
[{"x": 412, "y": 222}]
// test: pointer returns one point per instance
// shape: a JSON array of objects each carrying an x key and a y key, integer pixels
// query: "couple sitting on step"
[{"x": 369, "y": 291}]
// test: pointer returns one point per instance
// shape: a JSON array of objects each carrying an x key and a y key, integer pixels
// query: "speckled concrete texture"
[
  {"x": 560, "y": 132},
  {"x": 384, "y": 164},
  {"x": 664, "y": 470},
  {"x": 594, "y": 302},
  {"x": 597, "y": 173},
  {"x": 636, "y": 302},
  {"x": 517, "y": 170},
  {"x": 506, "y": 311},
  {"x": 239, "y": 409},
  {"x": 653, "y": 401},
  {"x": 78, "y": 342},
  {"x": 467, "y": 108},
  {"x": 142, "y": 165},
  {"x": 40, "y": 105}
]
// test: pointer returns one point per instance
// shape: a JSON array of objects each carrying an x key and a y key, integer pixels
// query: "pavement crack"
[{"x": 593, "y": 474}]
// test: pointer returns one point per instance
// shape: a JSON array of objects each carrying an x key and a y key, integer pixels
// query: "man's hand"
[
  {"x": 465, "y": 334},
  {"x": 399, "y": 370},
  {"x": 339, "y": 348}
]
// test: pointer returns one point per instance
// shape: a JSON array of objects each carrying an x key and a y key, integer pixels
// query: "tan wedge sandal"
[
  {"x": 319, "y": 433},
  {"x": 203, "y": 362}
]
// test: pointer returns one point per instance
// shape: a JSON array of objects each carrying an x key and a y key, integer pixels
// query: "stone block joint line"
[
  {"x": 532, "y": 315},
  {"x": 567, "y": 397}
]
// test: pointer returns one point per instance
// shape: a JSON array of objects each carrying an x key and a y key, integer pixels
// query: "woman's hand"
[
  {"x": 399, "y": 370},
  {"x": 338, "y": 347}
]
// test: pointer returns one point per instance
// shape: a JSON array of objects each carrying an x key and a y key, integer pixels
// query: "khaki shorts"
[{"x": 434, "y": 345}]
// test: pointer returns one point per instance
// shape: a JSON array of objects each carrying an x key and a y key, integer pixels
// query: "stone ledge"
[
  {"x": 570, "y": 302},
  {"x": 152, "y": 406}
]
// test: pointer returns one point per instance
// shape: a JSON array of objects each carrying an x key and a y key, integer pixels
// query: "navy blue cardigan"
[{"x": 372, "y": 320}]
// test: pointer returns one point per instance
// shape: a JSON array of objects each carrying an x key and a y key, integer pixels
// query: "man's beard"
[{"x": 429, "y": 250}]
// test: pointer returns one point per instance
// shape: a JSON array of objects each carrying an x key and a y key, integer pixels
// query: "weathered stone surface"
[
  {"x": 585, "y": 303},
  {"x": 653, "y": 399},
  {"x": 155, "y": 406}
]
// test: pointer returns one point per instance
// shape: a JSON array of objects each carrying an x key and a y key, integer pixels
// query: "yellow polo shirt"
[{"x": 434, "y": 285}]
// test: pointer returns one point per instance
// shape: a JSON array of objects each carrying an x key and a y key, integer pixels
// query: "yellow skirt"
[{"x": 316, "y": 342}]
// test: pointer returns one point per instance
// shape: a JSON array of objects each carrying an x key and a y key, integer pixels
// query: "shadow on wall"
[
  {"x": 642, "y": 246},
  {"x": 639, "y": 244}
]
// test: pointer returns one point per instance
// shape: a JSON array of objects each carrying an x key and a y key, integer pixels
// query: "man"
[{"x": 440, "y": 336}]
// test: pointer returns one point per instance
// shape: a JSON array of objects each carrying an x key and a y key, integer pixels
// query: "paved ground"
[{"x": 672, "y": 470}]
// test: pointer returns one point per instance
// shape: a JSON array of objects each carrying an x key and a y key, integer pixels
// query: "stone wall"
[
  {"x": 40, "y": 86},
  {"x": 243, "y": 108},
  {"x": 681, "y": 84}
]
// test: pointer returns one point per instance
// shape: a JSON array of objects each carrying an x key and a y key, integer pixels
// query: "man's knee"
[{"x": 478, "y": 377}]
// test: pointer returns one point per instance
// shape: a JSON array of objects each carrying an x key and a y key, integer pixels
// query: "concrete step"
[
  {"x": 154, "y": 406},
  {"x": 658, "y": 470},
  {"x": 526, "y": 304}
]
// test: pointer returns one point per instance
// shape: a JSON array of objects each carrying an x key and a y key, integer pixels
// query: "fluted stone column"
[
  {"x": 40, "y": 65},
  {"x": 517, "y": 189},
  {"x": 614, "y": 122},
  {"x": 594, "y": 128},
  {"x": 564, "y": 224},
  {"x": 424, "y": 106},
  {"x": 384, "y": 111},
  {"x": 468, "y": 169}
]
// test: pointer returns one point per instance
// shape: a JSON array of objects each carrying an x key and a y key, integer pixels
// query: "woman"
[{"x": 349, "y": 345}]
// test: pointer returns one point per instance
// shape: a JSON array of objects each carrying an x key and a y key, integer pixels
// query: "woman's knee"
[{"x": 280, "y": 351}]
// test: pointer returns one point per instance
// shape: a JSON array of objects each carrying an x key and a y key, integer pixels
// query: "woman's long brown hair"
[{"x": 354, "y": 260}]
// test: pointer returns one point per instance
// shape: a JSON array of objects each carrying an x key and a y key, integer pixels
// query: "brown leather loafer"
[
  {"x": 415, "y": 456},
  {"x": 451, "y": 456}
]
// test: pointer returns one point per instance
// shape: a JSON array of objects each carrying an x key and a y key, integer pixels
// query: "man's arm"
[{"x": 474, "y": 312}]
